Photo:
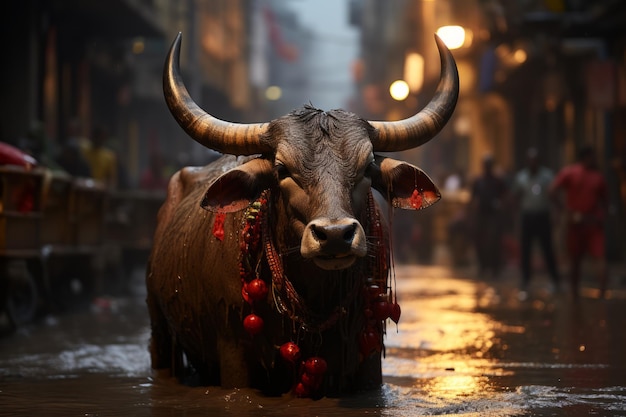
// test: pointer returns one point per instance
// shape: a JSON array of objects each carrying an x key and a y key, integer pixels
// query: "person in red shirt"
[{"x": 586, "y": 202}]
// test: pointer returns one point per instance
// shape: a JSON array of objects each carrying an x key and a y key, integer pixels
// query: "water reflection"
[
  {"x": 458, "y": 385},
  {"x": 442, "y": 343}
]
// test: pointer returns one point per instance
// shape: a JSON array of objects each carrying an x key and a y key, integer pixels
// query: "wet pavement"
[{"x": 463, "y": 347}]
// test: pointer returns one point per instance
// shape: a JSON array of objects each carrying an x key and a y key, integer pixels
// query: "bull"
[{"x": 270, "y": 266}]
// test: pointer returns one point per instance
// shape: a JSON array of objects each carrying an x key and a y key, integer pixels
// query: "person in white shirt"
[{"x": 531, "y": 190}]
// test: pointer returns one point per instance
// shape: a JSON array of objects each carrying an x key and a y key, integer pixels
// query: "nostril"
[
  {"x": 318, "y": 233},
  {"x": 349, "y": 234},
  {"x": 334, "y": 232}
]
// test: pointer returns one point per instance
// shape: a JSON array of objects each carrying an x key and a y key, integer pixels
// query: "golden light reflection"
[
  {"x": 449, "y": 387},
  {"x": 443, "y": 341}
]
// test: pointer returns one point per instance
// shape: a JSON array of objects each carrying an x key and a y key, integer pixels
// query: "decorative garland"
[{"x": 256, "y": 241}]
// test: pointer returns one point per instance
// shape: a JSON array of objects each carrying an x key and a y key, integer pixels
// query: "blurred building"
[
  {"x": 101, "y": 63},
  {"x": 397, "y": 43},
  {"x": 70, "y": 61},
  {"x": 544, "y": 73},
  {"x": 287, "y": 47},
  {"x": 540, "y": 73},
  {"x": 569, "y": 90}
]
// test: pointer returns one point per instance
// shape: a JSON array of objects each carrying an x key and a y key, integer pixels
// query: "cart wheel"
[{"x": 22, "y": 295}]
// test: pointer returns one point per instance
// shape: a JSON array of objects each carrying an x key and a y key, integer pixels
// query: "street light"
[
  {"x": 452, "y": 36},
  {"x": 414, "y": 71},
  {"x": 399, "y": 90},
  {"x": 273, "y": 93}
]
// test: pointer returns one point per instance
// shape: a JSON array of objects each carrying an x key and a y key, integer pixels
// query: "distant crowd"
[{"x": 578, "y": 194}]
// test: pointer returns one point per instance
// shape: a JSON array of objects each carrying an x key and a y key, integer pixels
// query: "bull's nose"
[{"x": 333, "y": 238}]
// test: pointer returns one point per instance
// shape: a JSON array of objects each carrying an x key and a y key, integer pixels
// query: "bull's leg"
[
  {"x": 370, "y": 375},
  {"x": 161, "y": 349},
  {"x": 234, "y": 370}
]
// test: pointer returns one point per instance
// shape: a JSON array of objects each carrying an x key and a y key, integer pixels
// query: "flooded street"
[{"x": 463, "y": 347}]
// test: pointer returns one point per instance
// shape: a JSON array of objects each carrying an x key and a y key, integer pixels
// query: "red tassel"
[
  {"x": 416, "y": 199},
  {"x": 218, "y": 226}
]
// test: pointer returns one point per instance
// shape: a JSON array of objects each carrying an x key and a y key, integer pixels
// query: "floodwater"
[{"x": 463, "y": 347}]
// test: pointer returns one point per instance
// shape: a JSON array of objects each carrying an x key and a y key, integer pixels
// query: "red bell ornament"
[
  {"x": 380, "y": 309},
  {"x": 253, "y": 324},
  {"x": 311, "y": 381},
  {"x": 369, "y": 342},
  {"x": 315, "y": 366},
  {"x": 257, "y": 289},
  {"x": 394, "y": 312},
  {"x": 245, "y": 294},
  {"x": 290, "y": 352},
  {"x": 301, "y": 390}
]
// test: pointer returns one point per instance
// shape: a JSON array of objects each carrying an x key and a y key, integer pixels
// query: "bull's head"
[{"x": 322, "y": 162}]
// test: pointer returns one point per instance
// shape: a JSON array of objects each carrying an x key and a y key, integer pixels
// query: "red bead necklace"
[{"x": 256, "y": 241}]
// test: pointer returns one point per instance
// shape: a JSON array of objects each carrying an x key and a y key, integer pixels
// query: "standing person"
[
  {"x": 586, "y": 203},
  {"x": 531, "y": 191},
  {"x": 72, "y": 161},
  {"x": 102, "y": 160},
  {"x": 486, "y": 205}
]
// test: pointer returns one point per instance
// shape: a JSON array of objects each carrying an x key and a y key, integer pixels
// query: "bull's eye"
[
  {"x": 371, "y": 170},
  {"x": 281, "y": 171}
]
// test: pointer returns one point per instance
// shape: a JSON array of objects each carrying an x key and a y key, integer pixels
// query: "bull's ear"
[
  {"x": 237, "y": 188},
  {"x": 404, "y": 185}
]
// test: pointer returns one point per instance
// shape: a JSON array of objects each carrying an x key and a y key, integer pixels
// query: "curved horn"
[
  {"x": 225, "y": 137},
  {"x": 422, "y": 127}
]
